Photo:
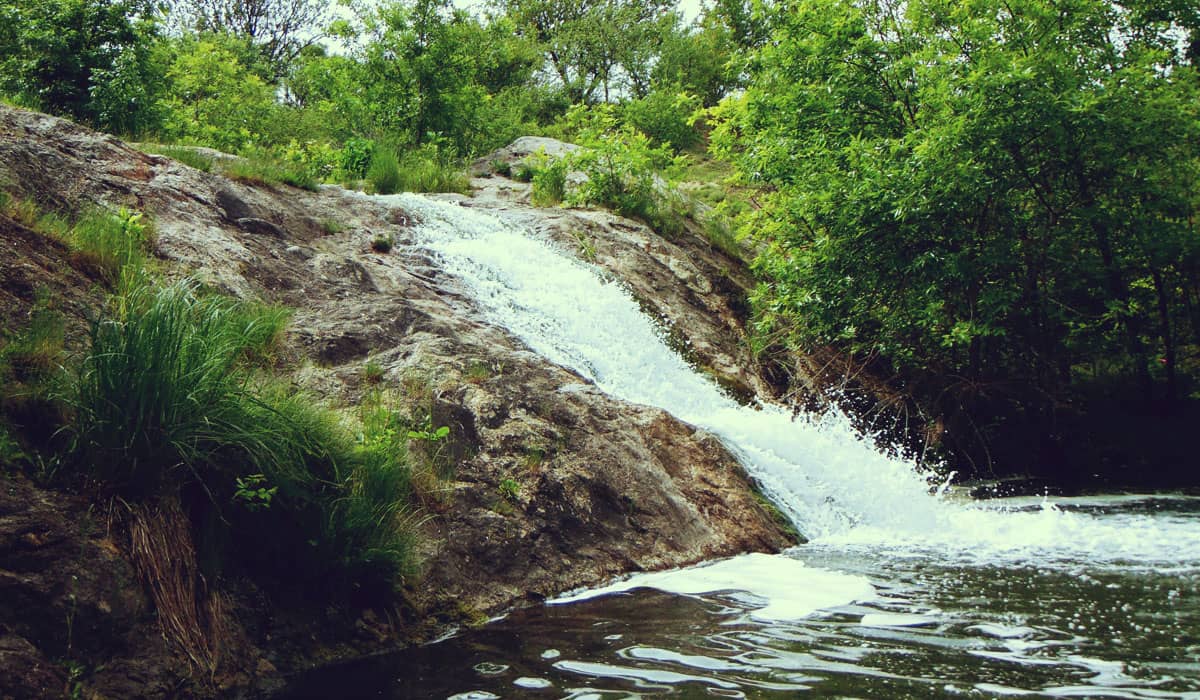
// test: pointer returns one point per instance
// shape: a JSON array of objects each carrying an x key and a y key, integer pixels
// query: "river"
[{"x": 905, "y": 589}]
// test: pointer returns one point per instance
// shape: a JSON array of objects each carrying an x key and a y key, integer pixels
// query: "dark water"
[{"x": 937, "y": 627}]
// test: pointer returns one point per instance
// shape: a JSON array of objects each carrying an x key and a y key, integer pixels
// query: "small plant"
[
  {"x": 332, "y": 227},
  {"x": 113, "y": 243},
  {"x": 534, "y": 458},
  {"x": 587, "y": 246},
  {"x": 383, "y": 243},
  {"x": 501, "y": 167},
  {"x": 477, "y": 373},
  {"x": 373, "y": 372},
  {"x": 37, "y": 349},
  {"x": 428, "y": 433},
  {"x": 384, "y": 171},
  {"x": 252, "y": 492},
  {"x": 509, "y": 489},
  {"x": 549, "y": 182}
]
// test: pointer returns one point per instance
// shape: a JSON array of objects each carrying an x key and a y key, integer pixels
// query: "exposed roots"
[{"x": 189, "y": 615}]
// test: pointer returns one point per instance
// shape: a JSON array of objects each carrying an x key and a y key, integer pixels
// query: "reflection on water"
[{"x": 933, "y": 629}]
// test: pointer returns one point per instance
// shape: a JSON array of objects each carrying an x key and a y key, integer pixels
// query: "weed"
[
  {"x": 501, "y": 167},
  {"x": 719, "y": 232},
  {"x": 113, "y": 243},
  {"x": 252, "y": 491},
  {"x": 509, "y": 489},
  {"x": 372, "y": 372},
  {"x": 587, "y": 246},
  {"x": 383, "y": 243},
  {"x": 332, "y": 227},
  {"x": 523, "y": 172}
]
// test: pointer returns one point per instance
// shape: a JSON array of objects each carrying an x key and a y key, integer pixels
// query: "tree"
[
  {"x": 596, "y": 48},
  {"x": 279, "y": 29},
  {"x": 91, "y": 60},
  {"x": 998, "y": 194}
]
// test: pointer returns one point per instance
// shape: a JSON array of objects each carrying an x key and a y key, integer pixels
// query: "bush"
[
  {"x": 665, "y": 117},
  {"x": 549, "y": 181},
  {"x": 355, "y": 157}
]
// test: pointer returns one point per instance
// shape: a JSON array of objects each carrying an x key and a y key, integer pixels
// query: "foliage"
[
  {"x": 165, "y": 402},
  {"x": 595, "y": 48},
  {"x": 977, "y": 192},
  {"x": 384, "y": 172},
  {"x": 622, "y": 169},
  {"x": 665, "y": 117},
  {"x": 278, "y": 29},
  {"x": 549, "y": 178},
  {"x": 91, "y": 60},
  {"x": 215, "y": 99}
]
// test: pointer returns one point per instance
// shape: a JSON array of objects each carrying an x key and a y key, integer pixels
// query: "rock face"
[{"x": 553, "y": 485}]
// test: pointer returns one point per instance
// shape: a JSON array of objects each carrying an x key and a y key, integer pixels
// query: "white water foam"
[
  {"x": 790, "y": 590},
  {"x": 837, "y": 488}
]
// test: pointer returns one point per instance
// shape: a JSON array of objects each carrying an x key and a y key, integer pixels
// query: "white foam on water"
[
  {"x": 790, "y": 590},
  {"x": 838, "y": 489}
]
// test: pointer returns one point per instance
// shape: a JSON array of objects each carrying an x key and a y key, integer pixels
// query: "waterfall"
[{"x": 835, "y": 486}]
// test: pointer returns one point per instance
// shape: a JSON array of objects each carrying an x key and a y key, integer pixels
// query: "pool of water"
[{"x": 930, "y": 627}]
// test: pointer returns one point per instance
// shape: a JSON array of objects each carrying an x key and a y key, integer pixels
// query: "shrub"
[
  {"x": 665, "y": 117},
  {"x": 355, "y": 157},
  {"x": 383, "y": 243},
  {"x": 549, "y": 181},
  {"x": 432, "y": 168}
]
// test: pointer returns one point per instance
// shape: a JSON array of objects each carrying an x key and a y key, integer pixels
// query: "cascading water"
[
  {"x": 834, "y": 484},
  {"x": 900, "y": 593}
]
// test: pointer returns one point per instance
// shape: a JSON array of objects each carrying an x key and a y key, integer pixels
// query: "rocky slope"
[{"x": 603, "y": 487}]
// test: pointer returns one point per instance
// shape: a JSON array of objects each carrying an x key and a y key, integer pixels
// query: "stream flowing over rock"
[{"x": 603, "y": 487}]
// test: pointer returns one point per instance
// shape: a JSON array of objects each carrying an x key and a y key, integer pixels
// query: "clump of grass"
[
  {"x": 501, "y": 167},
  {"x": 267, "y": 170},
  {"x": 190, "y": 157},
  {"x": 38, "y": 348},
  {"x": 524, "y": 172},
  {"x": 549, "y": 182},
  {"x": 372, "y": 372},
  {"x": 113, "y": 244},
  {"x": 384, "y": 171},
  {"x": 477, "y": 373},
  {"x": 431, "y": 169},
  {"x": 383, "y": 243},
  {"x": 165, "y": 403},
  {"x": 332, "y": 227}
]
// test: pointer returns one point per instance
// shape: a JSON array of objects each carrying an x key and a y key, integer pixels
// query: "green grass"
[
  {"x": 189, "y": 156},
  {"x": 166, "y": 403},
  {"x": 267, "y": 170},
  {"x": 549, "y": 182},
  {"x": 384, "y": 172},
  {"x": 114, "y": 244}
]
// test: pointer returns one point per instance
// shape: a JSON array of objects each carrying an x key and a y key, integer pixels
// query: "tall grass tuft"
[
  {"x": 113, "y": 244},
  {"x": 384, "y": 171},
  {"x": 166, "y": 403}
]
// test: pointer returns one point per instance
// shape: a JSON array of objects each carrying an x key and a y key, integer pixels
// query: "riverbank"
[{"x": 542, "y": 484}]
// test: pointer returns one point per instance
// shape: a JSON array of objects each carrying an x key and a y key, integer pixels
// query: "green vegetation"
[
  {"x": 184, "y": 154},
  {"x": 993, "y": 202}
]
